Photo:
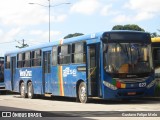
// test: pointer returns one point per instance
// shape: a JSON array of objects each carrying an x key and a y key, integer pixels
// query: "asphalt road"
[{"x": 68, "y": 109}]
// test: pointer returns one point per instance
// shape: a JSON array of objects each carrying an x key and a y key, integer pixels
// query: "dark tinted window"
[
  {"x": 27, "y": 62},
  {"x": 7, "y": 62},
  {"x": 21, "y": 60},
  {"x": 36, "y": 58},
  {"x": 78, "y": 53},
  {"x": 64, "y": 54},
  {"x": 54, "y": 56}
]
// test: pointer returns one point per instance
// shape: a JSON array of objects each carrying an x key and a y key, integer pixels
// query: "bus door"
[
  {"x": 46, "y": 71},
  {"x": 93, "y": 76},
  {"x": 13, "y": 71}
]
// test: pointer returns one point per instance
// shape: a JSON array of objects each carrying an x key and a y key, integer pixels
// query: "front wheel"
[
  {"x": 82, "y": 94},
  {"x": 30, "y": 90},
  {"x": 22, "y": 90}
]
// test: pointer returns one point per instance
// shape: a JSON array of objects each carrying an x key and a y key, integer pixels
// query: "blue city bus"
[
  {"x": 2, "y": 84},
  {"x": 105, "y": 65}
]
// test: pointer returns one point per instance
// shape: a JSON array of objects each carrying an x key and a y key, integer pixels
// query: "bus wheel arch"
[
  {"x": 81, "y": 92},
  {"x": 30, "y": 90},
  {"x": 22, "y": 89}
]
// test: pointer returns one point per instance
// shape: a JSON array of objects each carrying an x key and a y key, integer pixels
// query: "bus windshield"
[{"x": 132, "y": 58}]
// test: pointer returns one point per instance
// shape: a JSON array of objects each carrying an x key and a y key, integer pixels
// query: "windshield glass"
[{"x": 127, "y": 58}]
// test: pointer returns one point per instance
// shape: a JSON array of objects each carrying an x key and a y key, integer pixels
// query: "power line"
[
  {"x": 7, "y": 42},
  {"x": 23, "y": 45}
]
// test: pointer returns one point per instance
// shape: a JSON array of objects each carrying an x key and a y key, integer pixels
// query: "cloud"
[
  {"x": 10, "y": 35},
  {"x": 143, "y": 5},
  {"x": 44, "y": 34},
  {"x": 20, "y": 13},
  {"x": 143, "y": 9},
  {"x": 106, "y": 10},
  {"x": 59, "y": 18},
  {"x": 122, "y": 18},
  {"x": 86, "y": 7},
  {"x": 1, "y": 32}
]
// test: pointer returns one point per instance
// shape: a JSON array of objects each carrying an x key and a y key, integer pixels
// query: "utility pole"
[
  {"x": 23, "y": 45},
  {"x": 49, "y": 12}
]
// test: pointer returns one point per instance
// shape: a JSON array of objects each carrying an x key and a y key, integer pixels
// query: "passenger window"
[
  {"x": 27, "y": 59},
  {"x": 21, "y": 60},
  {"x": 78, "y": 53},
  {"x": 36, "y": 58},
  {"x": 7, "y": 62},
  {"x": 54, "y": 55},
  {"x": 64, "y": 54}
]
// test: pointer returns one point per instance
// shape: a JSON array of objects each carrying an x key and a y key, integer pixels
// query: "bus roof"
[
  {"x": 70, "y": 40},
  {"x": 58, "y": 42},
  {"x": 155, "y": 39}
]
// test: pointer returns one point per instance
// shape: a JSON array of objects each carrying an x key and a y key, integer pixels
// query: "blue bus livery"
[{"x": 107, "y": 65}]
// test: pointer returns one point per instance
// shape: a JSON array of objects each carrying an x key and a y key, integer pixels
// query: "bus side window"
[
  {"x": 64, "y": 54},
  {"x": 20, "y": 58},
  {"x": 36, "y": 58},
  {"x": 78, "y": 53},
  {"x": 7, "y": 62},
  {"x": 27, "y": 62},
  {"x": 54, "y": 55}
]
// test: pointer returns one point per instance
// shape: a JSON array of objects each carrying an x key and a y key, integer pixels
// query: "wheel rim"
[
  {"x": 83, "y": 93},
  {"x": 22, "y": 90},
  {"x": 29, "y": 91}
]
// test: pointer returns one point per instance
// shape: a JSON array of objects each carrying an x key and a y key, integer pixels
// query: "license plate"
[{"x": 131, "y": 93}]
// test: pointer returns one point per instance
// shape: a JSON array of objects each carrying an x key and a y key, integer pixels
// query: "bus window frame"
[
  {"x": 83, "y": 52},
  {"x": 27, "y": 60},
  {"x": 20, "y": 61},
  {"x": 54, "y": 63},
  {"x": 7, "y": 63},
  {"x": 61, "y": 56},
  {"x": 34, "y": 58}
]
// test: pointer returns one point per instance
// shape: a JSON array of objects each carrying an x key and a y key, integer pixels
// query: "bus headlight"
[
  {"x": 151, "y": 84},
  {"x": 109, "y": 85}
]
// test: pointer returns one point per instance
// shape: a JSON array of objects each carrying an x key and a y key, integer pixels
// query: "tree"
[
  {"x": 73, "y": 35},
  {"x": 154, "y": 34},
  {"x": 127, "y": 27},
  {"x": 117, "y": 27},
  {"x": 23, "y": 45}
]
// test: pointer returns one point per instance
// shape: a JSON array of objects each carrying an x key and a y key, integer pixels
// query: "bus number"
[{"x": 142, "y": 84}]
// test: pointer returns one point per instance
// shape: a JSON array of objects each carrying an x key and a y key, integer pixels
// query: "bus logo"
[
  {"x": 67, "y": 71},
  {"x": 25, "y": 74}
]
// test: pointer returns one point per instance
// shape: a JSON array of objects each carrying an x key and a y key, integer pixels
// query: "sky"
[{"x": 20, "y": 20}]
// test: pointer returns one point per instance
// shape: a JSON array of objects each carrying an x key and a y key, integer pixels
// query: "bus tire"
[
  {"x": 82, "y": 94},
  {"x": 22, "y": 90},
  {"x": 30, "y": 91}
]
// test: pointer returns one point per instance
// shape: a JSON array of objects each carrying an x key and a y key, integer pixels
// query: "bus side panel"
[
  {"x": 37, "y": 80},
  {"x": 16, "y": 81},
  {"x": 64, "y": 79},
  {"x": 7, "y": 79},
  {"x": 35, "y": 77},
  {"x": 70, "y": 77},
  {"x": 54, "y": 81}
]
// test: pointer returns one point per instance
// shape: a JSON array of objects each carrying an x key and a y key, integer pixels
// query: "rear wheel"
[
  {"x": 82, "y": 94},
  {"x": 22, "y": 90},
  {"x": 30, "y": 90}
]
